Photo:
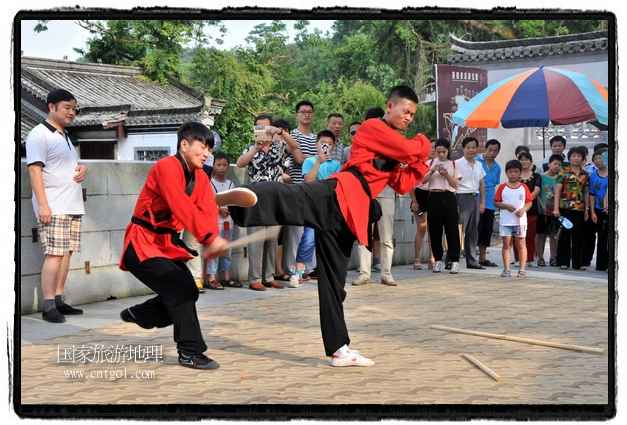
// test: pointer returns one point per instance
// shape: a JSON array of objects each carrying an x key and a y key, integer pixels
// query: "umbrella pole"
[{"x": 543, "y": 146}]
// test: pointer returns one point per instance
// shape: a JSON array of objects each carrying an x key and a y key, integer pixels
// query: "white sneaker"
[
  {"x": 361, "y": 280},
  {"x": 295, "y": 281},
  {"x": 353, "y": 358},
  {"x": 455, "y": 268},
  {"x": 438, "y": 267}
]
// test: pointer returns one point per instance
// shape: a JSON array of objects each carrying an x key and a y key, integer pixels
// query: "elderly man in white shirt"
[{"x": 468, "y": 190}]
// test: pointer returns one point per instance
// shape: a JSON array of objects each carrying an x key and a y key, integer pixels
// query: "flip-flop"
[
  {"x": 231, "y": 283},
  {"x": 285, "y": 277}
]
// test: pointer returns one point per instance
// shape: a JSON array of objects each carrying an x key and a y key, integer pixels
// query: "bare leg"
[
  {"x": 505, "y": 251},
  {"x": 482, "y": 253},
  {"x": 522, "y": 252},
  {"x": 50, "y": 273}
]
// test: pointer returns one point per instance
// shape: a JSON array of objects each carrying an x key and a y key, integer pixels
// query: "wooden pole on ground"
[
  {"x": 483, "y": 367},
  {"x": 524, "y": 340}
]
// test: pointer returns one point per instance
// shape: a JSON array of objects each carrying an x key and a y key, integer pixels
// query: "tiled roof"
[
  {"x": 111, "y": 93},
  {"x": 469, "y": 51}
]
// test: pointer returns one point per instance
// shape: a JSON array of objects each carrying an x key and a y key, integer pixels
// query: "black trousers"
[
  {"x": 313, "y": 205},
  {"x": 570, "y": 244},
  {"x": 175, "y": 303},
  {"x": 603, "y": 227},
  {"x": 589, "y": 241},
  {"x": 486, "y": 227},
  {"x": 443, "y": 214}
]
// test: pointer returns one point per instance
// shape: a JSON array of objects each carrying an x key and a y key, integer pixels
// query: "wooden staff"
[
  {"x": 258, "y": 236},
  {"x": 524, "y": 340},
  {"x": 483, "y": 367}
]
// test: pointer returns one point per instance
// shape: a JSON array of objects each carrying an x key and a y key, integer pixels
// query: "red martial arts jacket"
[
  {"x": 375, "y": 139},
  {"x": 164, "y": 204}
]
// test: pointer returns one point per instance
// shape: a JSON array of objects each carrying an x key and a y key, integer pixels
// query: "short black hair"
[
  {"x": 493, "y": 142},
  {"x": 557, "y": 139},
  {"x": 598, "y": 152},
  {"x": 220, "y": 155},
  {"x": 59, "y": 95},
  {"x": 525, "y": 154},
  {"x": 325, "y": 133},
  {"x": 334, "y": 116},
  {"x": 402, "y": 92},
  {"x": 193, "y": 131},
  {"x": 600, "y": 146},
  {"x": 514, "y": 163},
  {"x": 281, "y": 123},
  {"x": 585, "y": 150},
  {"x": 304, "y": 102},
  {"x": 374, "y": 112},
  {"x": 468, "y": 140},
  {"x": 354, "y": 123},
  {"x": 263, "y": 117},
  {"x": 576, "y": 149},
  {"x": 444, "y": 142},
  {"x": 520, "y": 148},
  {"x": 556, "y": 157}
]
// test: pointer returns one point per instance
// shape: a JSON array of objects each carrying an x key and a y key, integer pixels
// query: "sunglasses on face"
[{"x": 352, "y": 132}]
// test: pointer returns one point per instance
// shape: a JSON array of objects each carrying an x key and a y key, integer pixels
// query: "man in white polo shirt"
[
  {"x": 468, "y": 191},
  {"x": 55, "y": 177}
]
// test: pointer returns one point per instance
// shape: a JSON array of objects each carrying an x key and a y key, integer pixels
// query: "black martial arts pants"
[
  {"x": 175, "y": 303},
  {"x": 313, "y": 205}
]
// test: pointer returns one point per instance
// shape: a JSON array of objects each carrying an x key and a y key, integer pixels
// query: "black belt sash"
[
  {"x": 375, "y": 212},
  {"x": 176, "y": 237}
]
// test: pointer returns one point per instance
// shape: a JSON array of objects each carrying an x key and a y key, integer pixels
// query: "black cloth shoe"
[
  {"x": 475, "y": 266},
  {"x": 488, "y": 263},
  {"x": 69, "y": 310},
  {"x": 53, "y": 316},
  {"x": 128, "y": 317},
  {"x": 198, "y": 361},
  {"x": 448, "y": 266}
]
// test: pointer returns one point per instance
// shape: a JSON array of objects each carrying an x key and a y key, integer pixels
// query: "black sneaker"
[
  {"x": 448, "y": 266},
  {"x": 69, "y": 310},
  {"x": 198, "y": 361},
  {"x": 53, "y": 316},
  {"x": 127, "y": 316}
]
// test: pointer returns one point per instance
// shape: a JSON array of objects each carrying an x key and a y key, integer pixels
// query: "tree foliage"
[{"x": 282, "y": 63}]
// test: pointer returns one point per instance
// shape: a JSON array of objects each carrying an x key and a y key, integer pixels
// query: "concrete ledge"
[{"x": 111, "y": 189}]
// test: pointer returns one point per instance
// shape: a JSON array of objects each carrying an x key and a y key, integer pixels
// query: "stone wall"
[{"x": 111, "y": 189}]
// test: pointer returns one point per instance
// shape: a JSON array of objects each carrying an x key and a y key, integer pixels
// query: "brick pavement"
[{"x": 270, "y": 349}]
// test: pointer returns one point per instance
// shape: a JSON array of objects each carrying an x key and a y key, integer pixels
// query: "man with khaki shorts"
[{"x": 56, "y": 178}]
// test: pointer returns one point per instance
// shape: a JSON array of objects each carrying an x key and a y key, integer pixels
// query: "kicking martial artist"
[
  {"x": 338, "y": 208},
  {"x": 177, "y": 195}
]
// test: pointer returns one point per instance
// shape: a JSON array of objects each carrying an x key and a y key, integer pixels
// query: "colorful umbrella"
[{"x": 533, "y": 98}]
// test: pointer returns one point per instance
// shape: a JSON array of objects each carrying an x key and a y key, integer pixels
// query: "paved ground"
[{"x": 270, "y": 349}]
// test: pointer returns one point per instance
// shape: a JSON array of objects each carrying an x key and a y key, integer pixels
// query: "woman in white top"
[
  {"x": 443, "y": 179},
  {"x": 419, "y": 206}
]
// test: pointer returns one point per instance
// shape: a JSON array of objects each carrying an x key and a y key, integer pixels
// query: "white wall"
[{"x": 126, "y": 146}]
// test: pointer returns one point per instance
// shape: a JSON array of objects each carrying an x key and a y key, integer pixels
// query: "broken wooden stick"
[
  {"x": 483, "y": 367},
  {"x": 524, "y": 340}
]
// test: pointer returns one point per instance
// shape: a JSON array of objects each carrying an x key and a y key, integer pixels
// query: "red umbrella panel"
[{"x": 533, "y": 98}]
